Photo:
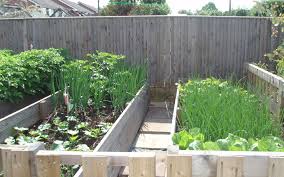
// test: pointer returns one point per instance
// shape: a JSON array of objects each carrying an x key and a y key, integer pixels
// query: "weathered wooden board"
[
  {"x": 183, "y": 163},
  {"x": 152, "y": 141},
  {"x": 7, "y": 108},
  {"x": 175, "y": 47},
  {"x": 25, "y": 117},
  {"x": 269, "y": 85}
]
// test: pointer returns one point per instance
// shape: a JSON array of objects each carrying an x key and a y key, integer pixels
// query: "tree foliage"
[
  {"x": 209, "y": 9},
  {"x": 136, "y": 7}
]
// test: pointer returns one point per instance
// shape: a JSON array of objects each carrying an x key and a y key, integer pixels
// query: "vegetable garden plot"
[
  {"x": 93, "y": 94},
  {"x": 25, "y": 77},
  {"x": 219, "y": 115}
]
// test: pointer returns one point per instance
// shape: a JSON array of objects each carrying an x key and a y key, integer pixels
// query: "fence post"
[
  {"x": 95, "y": 166},
  {"x": 18, "y": 160},
  {"x": 142, "y": 165},
  {"x": 178, "y": 165},
  {"x": 230, "y": 166},
  {"x": 47, "y": 165},
  {"x": 275, "y": 167}
]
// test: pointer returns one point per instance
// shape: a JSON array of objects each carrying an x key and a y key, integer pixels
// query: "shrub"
[
  {"x": 150, "y": 9},
  {"x": 27, "y": 73},
  {"x": 116, "y": 10}
]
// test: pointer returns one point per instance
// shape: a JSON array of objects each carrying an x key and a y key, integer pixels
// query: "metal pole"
[
  {"x": 230, "y": 7},
  {"x": 98, "y": 7}
]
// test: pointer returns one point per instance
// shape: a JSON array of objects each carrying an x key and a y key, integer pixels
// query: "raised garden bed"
[
  {"x": 229, "y": 118},
  {"x": 7, "y": 108},
  {"x": 269, "y": 85},
  {"x": 118, "y": 138}
]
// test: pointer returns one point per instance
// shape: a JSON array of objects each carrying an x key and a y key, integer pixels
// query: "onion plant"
[
  {"x": 74, "y": 83},
  {"x": 125, "y": 82},
  {"x": 219, "y": 108}
]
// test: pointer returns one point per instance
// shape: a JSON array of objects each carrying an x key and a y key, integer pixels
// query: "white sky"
[{"x": 177, "y": 5}]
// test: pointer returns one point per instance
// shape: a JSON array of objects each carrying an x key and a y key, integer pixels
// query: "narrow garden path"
[{"x": 154, "y": 134}]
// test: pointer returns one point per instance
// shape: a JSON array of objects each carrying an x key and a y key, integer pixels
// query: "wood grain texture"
[
  {"x": 230, "y": 167},
  {"x": 175, "y": 47},
  {"x": 95, "y": 166},
  {"x": 276, "y": 167},
  {"x": 123, "y": 132},
  {"x": 179, "y": 166},
  {"x": 268, "y": 84},
  {"x": 48, "y": 166},
  {"x": 25, "y": 117},
  {"x": 142, "y": 165}
]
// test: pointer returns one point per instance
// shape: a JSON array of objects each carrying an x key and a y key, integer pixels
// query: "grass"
[{"x": 219, "y": 108}]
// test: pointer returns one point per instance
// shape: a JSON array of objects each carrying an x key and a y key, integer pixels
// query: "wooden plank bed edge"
[{"x": 123, "y": 132}]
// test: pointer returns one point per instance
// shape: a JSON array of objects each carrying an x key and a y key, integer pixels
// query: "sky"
[{"x": 193, "y": 5}]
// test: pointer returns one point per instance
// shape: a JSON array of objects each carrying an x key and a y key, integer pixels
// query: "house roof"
[
  {"x": 47, "y": 4},
  {"x": 89, "y": 7},
  {"x": 76, "y": 7}
]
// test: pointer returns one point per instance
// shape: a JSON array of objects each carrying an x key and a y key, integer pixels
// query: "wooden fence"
[
  {"x": 21, "y": 162},
  {"x": 267, "y": 84},
  {"x": 176, "y": 47}
]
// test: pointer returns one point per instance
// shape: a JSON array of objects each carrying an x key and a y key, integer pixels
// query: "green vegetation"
[
  {"x": 27, "y": 73},
  {"x": 195, "y": 140},
  {"x": 209, "y": 9},
  {"x": 274, "y": 61},
  {"x": 264, "y": 8},
  {"x": 219, "y": 108},
  {"x": 130, "y": 7},
  {"x": 92, "y": 93}
]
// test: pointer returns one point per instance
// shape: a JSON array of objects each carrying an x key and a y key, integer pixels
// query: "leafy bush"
[
  {"x": 27, "y": 73},
  {"x": 151, "y": 9},
  {"x": 274, "y": 61},
  {"x": 219, "y": 108},
  {"x": 116, "y": 10},
  {"x": 104, "y": 63},
  {"x": 195, "y": 140},
  {"x": 209, "y": 9}
]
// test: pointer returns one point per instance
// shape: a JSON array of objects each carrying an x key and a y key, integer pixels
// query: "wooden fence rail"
[
  {"x": 267, "y": 84},
  {"x": 144, "y": 164},
  {"x": 176, "y": 47}
]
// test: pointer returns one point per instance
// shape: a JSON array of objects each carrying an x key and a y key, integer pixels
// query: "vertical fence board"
[
  {"x": 21, "y": 164},
  {"x": 48, "y": 165},
  {"x": 94, "y": 166},
  {"x": 275, "y": 168},
  {"x": 179, "y": 166},
  {"x": 230, "y": 166},
  {"x": 142, "y": 165},
  {"x": 176, "y": 47}
]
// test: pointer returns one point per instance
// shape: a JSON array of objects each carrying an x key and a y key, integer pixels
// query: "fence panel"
[
  {"x": 176, "y": 47},
  {"x": 182, "y": 163}
]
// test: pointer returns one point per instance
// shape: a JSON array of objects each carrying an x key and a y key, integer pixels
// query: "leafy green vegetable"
[{"x": 189, "y": 140}]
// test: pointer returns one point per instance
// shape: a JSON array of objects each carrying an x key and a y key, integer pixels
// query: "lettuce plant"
[{"x": 194, "y": 140}]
